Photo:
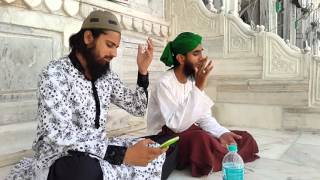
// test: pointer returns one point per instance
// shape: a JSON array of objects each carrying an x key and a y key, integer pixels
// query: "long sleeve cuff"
[
  {"x": 115, "y": 154},
  {"x": 221, "y": 131},
  {"x": 143, "y": 80}
]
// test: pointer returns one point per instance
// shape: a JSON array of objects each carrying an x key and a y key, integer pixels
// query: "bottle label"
[{"x": 232, "y": 172}]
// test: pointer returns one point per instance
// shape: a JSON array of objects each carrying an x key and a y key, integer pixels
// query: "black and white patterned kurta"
[{"x": 66, "y": 116}]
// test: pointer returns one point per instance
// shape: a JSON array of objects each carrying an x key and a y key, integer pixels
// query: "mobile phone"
[{"x": 169, "y": 142}]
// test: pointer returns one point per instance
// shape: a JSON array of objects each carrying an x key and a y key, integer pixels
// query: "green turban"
[{"x": 183, "y": 43}]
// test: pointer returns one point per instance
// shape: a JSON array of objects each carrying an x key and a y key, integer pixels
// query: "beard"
[
  {"x": 189, "y": 69},
  {"x": 95, "y": 68}
]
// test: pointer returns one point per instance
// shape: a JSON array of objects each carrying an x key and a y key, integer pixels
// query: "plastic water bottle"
[{"x": 232, "y": 164}]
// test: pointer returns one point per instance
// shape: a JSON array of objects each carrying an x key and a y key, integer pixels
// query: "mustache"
[{"x": 107, "y": 58}]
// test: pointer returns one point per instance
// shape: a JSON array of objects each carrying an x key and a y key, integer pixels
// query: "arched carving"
[{"x": 71, "y": 7}]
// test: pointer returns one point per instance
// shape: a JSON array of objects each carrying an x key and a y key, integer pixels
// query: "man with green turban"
[{"x": 179, "y": 107}]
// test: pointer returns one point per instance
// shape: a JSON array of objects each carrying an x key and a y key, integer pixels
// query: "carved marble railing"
[
  {"x": 131, "y": 20},
  {"x": 315, "y": 82}
]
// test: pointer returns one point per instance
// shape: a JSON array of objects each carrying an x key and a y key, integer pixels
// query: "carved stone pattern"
[
  {"x": 282, "y": 65},
  {"x": 74, "y": 7},
  {"x": 239, "y": 42},
  {"x": 85, "y": 10},
  {"x": 147, "y": 27},
  {"x": 156, "y": 29},
  {"x": 53, "y": 5},
  {"x": 190, "y": 18},
  {"x": 317, "y": 86},
  {"x": 315, "y": 83},
  {"x": 71, "y": 7},
  {"x": 126, "y": 22},
  {"x": 164, "y": 31},
  {"x": 32, "y": 3},
  {"x": 9, "y": 1},
  {"x": 137, "y": 25}
]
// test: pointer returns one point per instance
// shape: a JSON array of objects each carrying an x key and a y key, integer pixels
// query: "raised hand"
[
  {"x": 144, "y": 57},
  {"x": 202, "y": 73},
  {"x": 140, "y": 154}
]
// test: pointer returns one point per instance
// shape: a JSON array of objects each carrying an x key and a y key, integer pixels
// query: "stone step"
[
  {"x": 262, "y": 92},
  {"x": 16, "y": 140},
  {"x": 13, "y": 158},
  {"x": 4, "y": 171},
  {"x": 16, "y": 137},
  {"x": 248, "y": 115},
  {"x": 268, "y": 116},
  {"x": 304, "y": 118}
]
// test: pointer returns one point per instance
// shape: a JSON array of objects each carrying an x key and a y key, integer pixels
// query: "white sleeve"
[
  {"x": 210, "y": 124},
  {"x": 179, "y": 117}
]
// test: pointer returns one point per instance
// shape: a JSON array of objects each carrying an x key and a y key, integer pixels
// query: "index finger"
[
  {"x": 203, "y": 63},
  {"x": 147, "y": 141},
  {"x": 150, "y": 43},
  {"x": 236, "y": 136},
  {"x": 156, "y": 151}
]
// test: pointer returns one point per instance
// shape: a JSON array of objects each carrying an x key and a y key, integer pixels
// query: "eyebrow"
[
  {"x": 114, "y": 44},
  {"x": 198, "y": 50}
]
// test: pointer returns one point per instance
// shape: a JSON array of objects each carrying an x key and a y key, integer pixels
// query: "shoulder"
[
  {"x": 166, "y": 80},
  {"x": 166, "y": 77},
  {"x": 57, "y": 68},
  {"x": 60, "y": 64}
]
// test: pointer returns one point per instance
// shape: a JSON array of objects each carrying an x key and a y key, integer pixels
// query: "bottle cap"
[{"x": 232, "y": 148}]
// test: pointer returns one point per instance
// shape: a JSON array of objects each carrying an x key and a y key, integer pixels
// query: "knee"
[{"x": 78, "y": 167}]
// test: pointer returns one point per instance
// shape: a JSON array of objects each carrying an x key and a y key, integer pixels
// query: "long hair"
[{"x": 76, "y": 42}]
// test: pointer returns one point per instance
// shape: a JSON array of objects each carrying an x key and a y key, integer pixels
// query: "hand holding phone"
[{"x": 169, "y": 142}]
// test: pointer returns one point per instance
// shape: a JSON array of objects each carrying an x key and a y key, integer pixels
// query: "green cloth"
[
  {"x": 278, "y": 6},
  {"x": 183, "y": 43}
]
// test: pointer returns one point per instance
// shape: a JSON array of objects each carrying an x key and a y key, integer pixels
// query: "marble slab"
[
  {"x": 272, "y": 143},
  {"x": 262, "y": 169},
  {"x": 310, "y": 138},
  {"x": 303, "y": 155}
]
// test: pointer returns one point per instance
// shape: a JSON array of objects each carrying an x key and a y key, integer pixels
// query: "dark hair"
[
  {"x": 76, "y": 42},
  {"x": 176, "y": 62}
]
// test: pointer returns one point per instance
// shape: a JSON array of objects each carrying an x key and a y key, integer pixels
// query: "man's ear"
[
  {"x": 88, "y": 37},
  {"x": 180, "y": 58}
]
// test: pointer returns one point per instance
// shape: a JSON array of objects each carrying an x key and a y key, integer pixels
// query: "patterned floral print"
[{"x": 66, "y": 114}]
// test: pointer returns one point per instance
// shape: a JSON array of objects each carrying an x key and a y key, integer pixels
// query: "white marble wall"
[{"x": 33, "y": 32}]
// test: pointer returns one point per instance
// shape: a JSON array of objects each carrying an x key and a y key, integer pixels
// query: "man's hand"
[
  {"x": 144, "y": 57},
  {"x": 229, "y": 138},
  {"x": 140, "y": 154},
  {"x": 202, "y": 73}
]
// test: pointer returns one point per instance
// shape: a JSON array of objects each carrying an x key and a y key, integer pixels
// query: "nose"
[
  {"x": 202, "y": 55},
  {"x": 113, "y": 52},
  {"x": 201, "y": 58}
]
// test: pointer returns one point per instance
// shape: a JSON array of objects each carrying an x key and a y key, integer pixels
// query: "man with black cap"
[
  {"x": 178, "y": 106},
  {"x": 75, "y": 93}
]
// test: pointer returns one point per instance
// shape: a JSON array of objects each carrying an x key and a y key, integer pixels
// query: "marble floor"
[{"x": 285, "y": 155}]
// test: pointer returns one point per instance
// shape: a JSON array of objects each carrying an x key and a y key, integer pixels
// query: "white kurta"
[
  {"x": 66, "y": 115},
  {"x": 178, "y": 106}
]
